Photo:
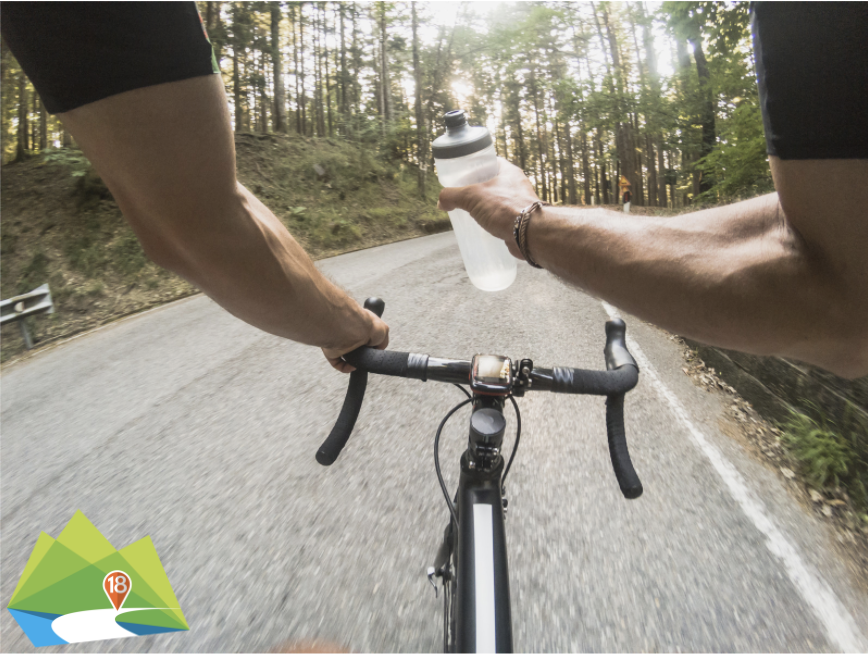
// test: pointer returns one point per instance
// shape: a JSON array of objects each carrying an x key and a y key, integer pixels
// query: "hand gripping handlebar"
[{"x": 620, "y": 376}]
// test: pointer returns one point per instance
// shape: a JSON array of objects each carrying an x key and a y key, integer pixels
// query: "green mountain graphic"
[{"x": 66, "y": 576}]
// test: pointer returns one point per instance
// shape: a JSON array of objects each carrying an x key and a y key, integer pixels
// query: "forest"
[{"x": 581, "y": 95}]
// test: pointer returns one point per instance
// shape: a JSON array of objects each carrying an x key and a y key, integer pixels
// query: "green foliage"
[
  {"x": 738, "y": 165},
  {"x": 34, "y": 274},
  {"x": 832, "y": 453},
  {"x": 90, "y": 190},
  {"x": 127, "y": 254},
  {"x": 68, "y": 157},
  {"x": 723, "y": 24},
  {"x": 86, "y": 254}
]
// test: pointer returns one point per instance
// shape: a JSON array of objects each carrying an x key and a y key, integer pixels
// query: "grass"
[
  {"x": 833, "y": 454},
  {"x": 34, "y": 274}
]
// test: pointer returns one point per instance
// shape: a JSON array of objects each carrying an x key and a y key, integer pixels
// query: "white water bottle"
[{"x": 465, "y": 155}]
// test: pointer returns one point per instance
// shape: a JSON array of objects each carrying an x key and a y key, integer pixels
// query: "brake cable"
[
  {"x": 437, "y": 457},
  {"x": 463, "y": 390},
  {"x": 514, "y": 445},
  {"x": 469, "y": 399}
]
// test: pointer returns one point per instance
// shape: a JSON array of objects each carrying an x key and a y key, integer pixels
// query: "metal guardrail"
[{"x": 36, "y": 302}]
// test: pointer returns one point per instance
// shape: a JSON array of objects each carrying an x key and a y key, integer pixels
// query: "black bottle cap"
[
  {"x": 455, "y": 118},
  {"x": 460, "y": 138}
]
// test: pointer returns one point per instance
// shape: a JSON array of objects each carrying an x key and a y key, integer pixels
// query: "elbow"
[
  {"x": 850, "y": 360},
  {"x": 847, "y": 336}
]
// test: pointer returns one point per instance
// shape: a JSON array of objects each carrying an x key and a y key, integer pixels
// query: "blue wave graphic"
[{"x": 37, "y": 626}]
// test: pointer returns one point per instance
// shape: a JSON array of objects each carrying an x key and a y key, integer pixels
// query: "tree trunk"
[
  {"x": 317, "y": 76},
  {"x": 558, "y": 161},
  {"x": 683, "y": 66},
  {"x": 578, "y": 40},
  {"x": 296, "y": 45},
  {"x": 522, "y": 154},
  {"x": 604, "y": 180},
  {"x": 638, "y": 191},
  {"x": 598, "y": 187},
  {"x": 539, "y": 138},
  {"x": 328, "y": 83},
  {"x": 657, "y": 180},
  {"x": 624, "y": 140},
  {"x": 421, "y": 159},
  {"x": 661, "y": 181},
  {"x": 441, "y": 71},
  {"x": 236, "y": 89},
  {"x": 303, "y": 96},
  {"x": 572, "y": 197},
  {"x": 236, "y": 64},
  {"x": 652, "y": 171},
  {"x": 384, "y": 66},
  {"x": 43, "y": 126},
  {"x": 214, "y": 28},
  {"x": 586, "y": 169},
  {"x": 708, "y": 115},
  {"x": 278, "y": 115},
  {"x": 344, "y": 105},
  {"x": 263, "y": 100},
  {"x": 22, "y": 147},
  {"x": 357, "y": 63}
]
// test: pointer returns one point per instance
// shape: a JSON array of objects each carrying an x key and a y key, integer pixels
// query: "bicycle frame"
[
  {"x": 479, "y": 617},
  {"x": 483, "y": 620}
]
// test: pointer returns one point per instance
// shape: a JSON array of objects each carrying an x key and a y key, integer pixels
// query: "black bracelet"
[{"x": 522, "y": 221}]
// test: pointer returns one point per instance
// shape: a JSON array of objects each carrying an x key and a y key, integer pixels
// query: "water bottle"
[{"x": 465, "y": 155}]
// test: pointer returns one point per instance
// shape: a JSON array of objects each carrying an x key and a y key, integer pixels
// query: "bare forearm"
[
  {"x": 248, "y": 263},
  {"x": 735, "y": 276},
  {"x": 167, "y": 154}
]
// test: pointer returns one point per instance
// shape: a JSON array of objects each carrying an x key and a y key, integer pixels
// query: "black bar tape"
[
  {"x": 628, "y": 480},
  {"x": 382, "y": 362},
  {"x": 340, "y": 434},
  {"x": 332, "y": 446},
  {"x": 594, "y": 382}
]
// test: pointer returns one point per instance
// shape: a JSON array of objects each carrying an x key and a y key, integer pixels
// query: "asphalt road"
[{"x": 187, "y": 425}]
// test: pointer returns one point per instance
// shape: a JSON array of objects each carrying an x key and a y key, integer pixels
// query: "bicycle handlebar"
[
  {"x": 340, "y": 433},
  {"x": 621, "y": 375}
]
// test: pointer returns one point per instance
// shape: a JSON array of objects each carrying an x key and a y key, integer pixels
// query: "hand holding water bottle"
[
  {"x": 494, "y": 204},
  {"x": 464, "y": 156}
]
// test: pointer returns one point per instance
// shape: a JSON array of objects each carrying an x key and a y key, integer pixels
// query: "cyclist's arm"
[
  {"x": 167, "y": 154},
  {"x": 783, "y": 274}
]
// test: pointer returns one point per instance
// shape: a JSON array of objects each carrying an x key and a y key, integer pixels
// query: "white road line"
[{"x": 841, "y": 629}]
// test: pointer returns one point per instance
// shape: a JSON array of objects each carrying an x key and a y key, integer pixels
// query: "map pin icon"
[{"x": 117, "y": 586}]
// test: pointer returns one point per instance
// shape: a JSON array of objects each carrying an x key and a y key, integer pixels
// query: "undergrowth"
[{"x": 833, "y": 453}]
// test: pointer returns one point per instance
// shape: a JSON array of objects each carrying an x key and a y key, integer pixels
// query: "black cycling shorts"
[
  {"x": 79, "y": 52},
  {"x": 812, "y": 68}
]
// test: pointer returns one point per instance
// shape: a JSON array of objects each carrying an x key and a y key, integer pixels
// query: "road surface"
[{"x": 189, "y": 426}]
